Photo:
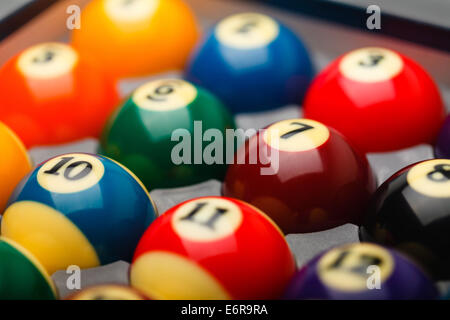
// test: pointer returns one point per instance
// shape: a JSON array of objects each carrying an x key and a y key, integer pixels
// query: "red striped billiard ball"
[
  {"x": 377, "y": 98},
  {"x": 212, "y": 248}
]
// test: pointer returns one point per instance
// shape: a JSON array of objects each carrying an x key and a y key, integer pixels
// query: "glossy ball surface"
[
  {"x": 14, "y": 163},
  {"x": 367, "y": 93},
  {"x": 78, "y": 209},
  {"x": 135, "y": 38},
  {"x": 51, "y": 96},
  {"x": 212, "y": 248},
  {"x": 442, "y": 148},
  {"x": 411, "y": 212},
  {"x": 159, "y": 134},
  {"x": 108, "y": 292},
  {"x": 22, "y": 277},
  {"x": 252, "y": 63},
  {"x": 306, "y": 176},
  {"x": 346, "y": 272}
]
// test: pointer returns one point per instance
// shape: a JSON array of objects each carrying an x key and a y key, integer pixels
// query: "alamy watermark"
[
  {"x": 73, "y": 281},
  {"x": 374, "y": 280},
  {"x": 212, "y": 147},
  {"x": 74, "y": 19},
  {"x": 374, "y": 20}
]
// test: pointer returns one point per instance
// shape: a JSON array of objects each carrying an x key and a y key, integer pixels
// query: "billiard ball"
[
  {"x": 108, "y": 292},
  {"x": 411, "y": 212},
  {"x": 366, "y": 95},
  {"x": 361, "y": 271},
  {"x": 252, "y": 62},
  {"x": 50, "y": 95},
  {"x": 14, "y": 163},
  {"x": 304, "y": 175},
  {"x": 212, "y": 248},
  {"x": 442, "y": 148},
  {"x": 78, "y": 209},
  {"x": 22, "y": 277},
  {"x": 128, "y": 38},
  {"x": 160, "y": 133}
]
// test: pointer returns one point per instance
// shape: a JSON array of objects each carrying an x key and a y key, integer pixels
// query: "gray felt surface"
[
  {"x": 386, "y": 164},
  {"x": 114, "y": 273},
  {"x": 167, "y": 198},
  {"x": 307, "y": 245}
]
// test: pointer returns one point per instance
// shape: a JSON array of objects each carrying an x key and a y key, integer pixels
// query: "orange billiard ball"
[
  {"x": 212, "y": 248},
  {"x": 136, "y": 37},
  {"x": 378, "y": 98},
  {"x": 14, "y": 163},
  {"x": 50, "y": 95}
]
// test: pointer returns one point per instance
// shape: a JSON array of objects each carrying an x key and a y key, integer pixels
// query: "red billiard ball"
[
  {"x": 379, "y": 99},
  {"x": 309, "y": 178},
  {"x": 50, "y": 95},
  {"x": 212, "y": 248}
]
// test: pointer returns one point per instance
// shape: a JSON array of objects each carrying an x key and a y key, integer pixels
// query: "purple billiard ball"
[
  {"x": 361, "y": 271},
  {"x": 442, "y": 149}
]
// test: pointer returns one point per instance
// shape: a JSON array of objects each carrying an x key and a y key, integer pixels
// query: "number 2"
[{"x": 246, "y": 27}]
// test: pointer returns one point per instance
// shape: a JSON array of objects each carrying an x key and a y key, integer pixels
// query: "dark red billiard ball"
[
  {"x": 307, "y": 176},
  {"x": 377, "y": 98}
]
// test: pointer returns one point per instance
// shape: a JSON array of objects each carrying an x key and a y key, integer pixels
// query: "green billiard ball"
[
  {"x": 22, "y": 277},
  {"x": 167, "y": 131}
]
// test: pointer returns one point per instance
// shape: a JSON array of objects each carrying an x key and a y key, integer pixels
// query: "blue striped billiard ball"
[{"x": 78, "y": 209}]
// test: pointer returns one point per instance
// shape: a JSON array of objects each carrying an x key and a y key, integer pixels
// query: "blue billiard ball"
[
  {"x": 78, "y": 209},
  {"x": 253, "y": 63}
]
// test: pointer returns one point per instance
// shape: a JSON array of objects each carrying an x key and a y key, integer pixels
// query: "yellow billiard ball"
[{"x": 14, "y": 163}]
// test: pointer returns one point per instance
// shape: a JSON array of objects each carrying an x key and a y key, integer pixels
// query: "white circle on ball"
[{"x": 247, "y": 31}]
